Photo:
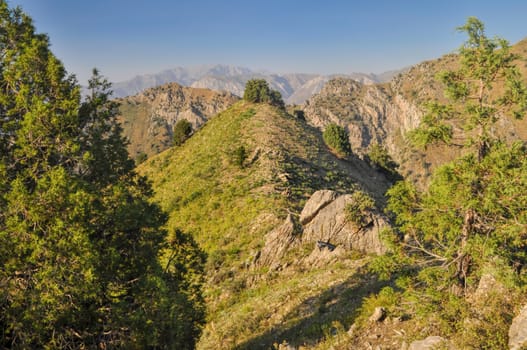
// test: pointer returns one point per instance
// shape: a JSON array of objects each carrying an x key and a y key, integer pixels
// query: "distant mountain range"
[{"x": 295, "y": 88}]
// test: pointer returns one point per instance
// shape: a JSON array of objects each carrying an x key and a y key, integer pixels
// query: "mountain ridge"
[
  {"x": 384, "y": 114},
  {"x": 246, "y": 214},
  {"x": 294, "y": 87}
]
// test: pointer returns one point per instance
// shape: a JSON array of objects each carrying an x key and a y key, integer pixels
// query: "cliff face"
[
  {"x": 385, "y": 113},
  {"x": 148, "y": 118},
  {"x": 371, "y": 114}
]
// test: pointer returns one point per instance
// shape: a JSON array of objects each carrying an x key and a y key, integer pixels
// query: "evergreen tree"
[
  {"x": 80, "y": 241},
  {"x": 487, "y": 67},
  {"x": 379, "y": 158},
  {"x": 182, "y": 131},
  {"x": 485, "y": 63},
  {"x": 472, "y": 217},
  {"x": 336, "y": 137},
  {"x": 258, "y": 91}
]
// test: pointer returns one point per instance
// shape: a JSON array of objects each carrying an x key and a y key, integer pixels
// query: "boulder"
[
  {"x": 432, "y": 342},
  {"x": 316, "y": 202},
  {"x": 488, "y": 286},
  {"x": 518, "y": 331},
  {"x": 378, "y": 314},
  {"x": 329, "y": 223},
  {"x": 286, "y": 346}
]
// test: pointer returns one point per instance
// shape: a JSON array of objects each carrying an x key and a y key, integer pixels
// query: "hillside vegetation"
[
  {"x": 85, "y": 260},
  {"x": 230, "y": 207},
  {"x": 239, "y": 184},
  {"x": 391, "y": 216}
]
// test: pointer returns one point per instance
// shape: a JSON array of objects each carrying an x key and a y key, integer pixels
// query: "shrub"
[
  {"x": 239, "y": 156},
  {"x": 182, "y": 131},
  {"x": 299, "y": 114},
  {"x": 336, "y": 138},
  {"x": 358, "y": 210},
  {"x": 378, "y": 157}
]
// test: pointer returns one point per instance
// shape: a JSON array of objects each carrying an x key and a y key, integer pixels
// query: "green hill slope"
[{"x": 230, "y": 205}]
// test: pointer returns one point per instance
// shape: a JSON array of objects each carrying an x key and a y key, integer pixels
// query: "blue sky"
[{"x": 124, "y": 38}]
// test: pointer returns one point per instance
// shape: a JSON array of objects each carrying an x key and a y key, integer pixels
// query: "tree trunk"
[{"x": 464, "y": 259}]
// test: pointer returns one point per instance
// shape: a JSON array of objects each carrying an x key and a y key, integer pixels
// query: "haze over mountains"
[{"x": 295, "y": 88}]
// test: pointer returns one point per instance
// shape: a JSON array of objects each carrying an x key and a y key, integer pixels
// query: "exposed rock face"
[
  {"x": 318, "y": 201},
  {"x": 384, "y": 113},
  {"x": 370, "y": 113},
  {"x": 277, "y": 242},
  {"x": 330, "y": 224},
  {"x": 148, "y": 118},
  {"x": 488, "y": 286},
  {"x": 324, "y": 222},
  {"x": 518, "y": 331},
  {"x": 432, "y": 342},
  {"x": 295, "y": 88}
]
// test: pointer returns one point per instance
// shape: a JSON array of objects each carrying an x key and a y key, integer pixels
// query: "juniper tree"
[
  {"x": 472, "y": 217},
  {"x": 182, "y": 131},
  {"x": 337, "y": 138},
  {"x": 487, "y": 86},
  {"x": 258, "y": 91},
  {"x": 81, "y": 245}
]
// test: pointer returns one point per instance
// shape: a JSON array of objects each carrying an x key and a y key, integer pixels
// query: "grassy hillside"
[{"x": 229, "y": 207}]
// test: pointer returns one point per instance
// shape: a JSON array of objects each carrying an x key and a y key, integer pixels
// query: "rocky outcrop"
[
  {"x": 378, "y": 314},
  {"x": 371, "y": 113},
  {"x": 488, "y": 287},
  {"x": 326, "y": 226},
  {"x": 295, "y": 88},
  {"x": 148, "y": 118},
  {"x": 331, "y": 224},
  {"x": 432, "y": 342},
  {"x": 318, "y": 201},
  {"x": 277, "y": 243},
  {"x": 518, "y": 331}
]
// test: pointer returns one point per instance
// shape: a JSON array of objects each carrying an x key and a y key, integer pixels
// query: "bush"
[
  {"x": 299, "y": 114},
  {"x": 182, "y": 131},
  {"x": 258, "y": 91},
  {"x": 358, "y": 211},
  {"x": 336, "y": 138},
  {"x": 239, "y": 156},
  {"x": 378, "y": 157}
]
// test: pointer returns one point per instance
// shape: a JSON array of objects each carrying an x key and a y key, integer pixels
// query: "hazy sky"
[{"x": 124, "y": 38}]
